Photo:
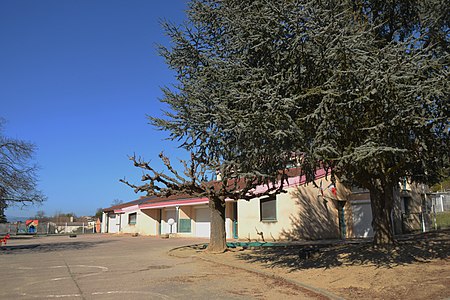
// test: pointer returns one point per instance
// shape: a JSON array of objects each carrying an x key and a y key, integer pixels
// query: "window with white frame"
[
  {"x": 268, "y": 209},
  {"x": 132, "y": 218}
]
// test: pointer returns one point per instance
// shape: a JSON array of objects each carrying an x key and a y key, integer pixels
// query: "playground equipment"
[{"x": 5, "y": 239}]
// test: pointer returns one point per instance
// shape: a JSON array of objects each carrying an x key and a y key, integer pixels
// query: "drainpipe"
[
  {"x": 107, "y": 223},
  {"x": 160, "y": 221},
  {"x": 422, "y": 207},
  {"x": 177, "y": 217}
]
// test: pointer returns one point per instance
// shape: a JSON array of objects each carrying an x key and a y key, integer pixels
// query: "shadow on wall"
[{"x": 316, "y": 218}]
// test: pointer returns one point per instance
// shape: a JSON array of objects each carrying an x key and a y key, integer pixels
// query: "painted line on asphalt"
[
  {"x": 153, "y": 294},
  {"x": 101, "y": 270},
  {"x": 50, "y": 296}
]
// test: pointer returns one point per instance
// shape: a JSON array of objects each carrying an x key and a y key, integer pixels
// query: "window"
[
  {"x": 132, "y": 218},
  {"x": 185, "y": 225},
  {"x": 268, "y": 209}
]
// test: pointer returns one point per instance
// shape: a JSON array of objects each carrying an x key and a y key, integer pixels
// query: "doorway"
[{"x": 235, "y": 220}]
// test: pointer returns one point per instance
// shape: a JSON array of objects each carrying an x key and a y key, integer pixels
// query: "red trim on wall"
[{"x": 175, "y": 203}]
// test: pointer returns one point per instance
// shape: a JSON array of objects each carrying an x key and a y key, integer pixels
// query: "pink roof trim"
[
  {"x": 174, "y": 203},
  {"x": 292, "y": 181},
  {"x": 129, "y": 208}
]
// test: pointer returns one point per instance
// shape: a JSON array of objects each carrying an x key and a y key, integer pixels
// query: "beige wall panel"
[
  {"x": 301, "y": 214},
  {"x": 146, "y": 222}
]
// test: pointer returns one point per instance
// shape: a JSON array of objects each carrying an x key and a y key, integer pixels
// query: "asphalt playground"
[{"x": 125, "y": 267}]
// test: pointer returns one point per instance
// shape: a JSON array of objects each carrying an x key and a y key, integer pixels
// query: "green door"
[
  {"x": 342, "y": 225},
  {"x": 235, "y": 222}
]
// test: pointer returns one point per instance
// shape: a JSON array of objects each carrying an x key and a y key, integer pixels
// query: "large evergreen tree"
[{"x": 358, "y": 87}]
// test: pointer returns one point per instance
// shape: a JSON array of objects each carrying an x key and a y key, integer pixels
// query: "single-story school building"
[{"x": 317, "y": 210}]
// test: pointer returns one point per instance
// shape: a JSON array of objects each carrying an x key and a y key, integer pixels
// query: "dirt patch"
[
  {"x": 418, "y": 267},
  {"x": 415, "y": 281}
]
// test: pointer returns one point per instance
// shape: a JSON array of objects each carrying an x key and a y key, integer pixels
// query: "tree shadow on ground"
[
  {"x": 418, "y": 248},
  {"x": 48, "y": 247}
]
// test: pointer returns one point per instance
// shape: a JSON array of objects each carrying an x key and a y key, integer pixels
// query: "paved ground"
[
  {"x": 112, "y": 267},
  {"x": 417, "y": 267}
]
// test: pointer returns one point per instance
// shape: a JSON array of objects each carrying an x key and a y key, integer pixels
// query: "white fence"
[{"x": 441, "y": 202}]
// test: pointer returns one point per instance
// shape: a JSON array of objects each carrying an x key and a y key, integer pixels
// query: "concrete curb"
[{"x": 297, "y": 283}]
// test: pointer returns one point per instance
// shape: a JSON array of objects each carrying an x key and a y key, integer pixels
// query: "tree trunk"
[
  {"x": 3, "y": 206},
  {"x": 217, "y": 242},
  {"x": 382, "y": 200}
]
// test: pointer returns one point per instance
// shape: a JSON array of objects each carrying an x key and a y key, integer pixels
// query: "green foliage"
[
  {"x": 99, "y": 213},
  {"x": 358, "y": 87},
  {"x": 444, "y": 184},
  {"x": 443, "y": 220}
]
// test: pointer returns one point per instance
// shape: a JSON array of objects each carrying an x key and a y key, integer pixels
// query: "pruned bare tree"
[
  {"x": 17, "y": 172},
  {"x": 116, "y": 202},
  {"x": 232, "y": 185}
]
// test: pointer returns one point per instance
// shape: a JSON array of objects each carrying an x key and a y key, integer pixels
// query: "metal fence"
[
  {"x": 433, "y": 215},
  {"x": 426, "y": 221},
  {"x": 47, "y": 228},
  {"x": 440, "y": 215},
  {"x": 441, "y": 202}
]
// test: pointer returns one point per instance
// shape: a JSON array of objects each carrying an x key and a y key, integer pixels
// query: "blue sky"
[{"x": 77, "y": 78}]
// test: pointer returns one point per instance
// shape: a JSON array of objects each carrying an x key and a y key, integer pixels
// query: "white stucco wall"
[
  {"x": 249, "y": 218},
  {"x": 113, "y": 222},
  {"x": 146, "y": 223},
  {"x": 301, "y": 214},
  {"x": 104, "y": 224}
]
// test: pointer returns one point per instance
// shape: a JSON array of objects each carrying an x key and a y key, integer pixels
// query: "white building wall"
[
  {"x": 301, "y": 213},
  {"x": 168, "y": 213},
  {"x": 113, "y": 223},
  {"x": 249, "y": 222},
  {"x": 104, "y": 224},
  {"x": 362, "y": 219},
  {"x": 127, "y": 228},
  {"x": 146, "y": 222},
  {"x": 202, "y": 223},
  {"x": 228, "y": 220}
]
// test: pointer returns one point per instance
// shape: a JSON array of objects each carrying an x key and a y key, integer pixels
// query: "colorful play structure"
[
  {"x": 5, "y": 239},
  {"x": 32, "y": 225}
]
